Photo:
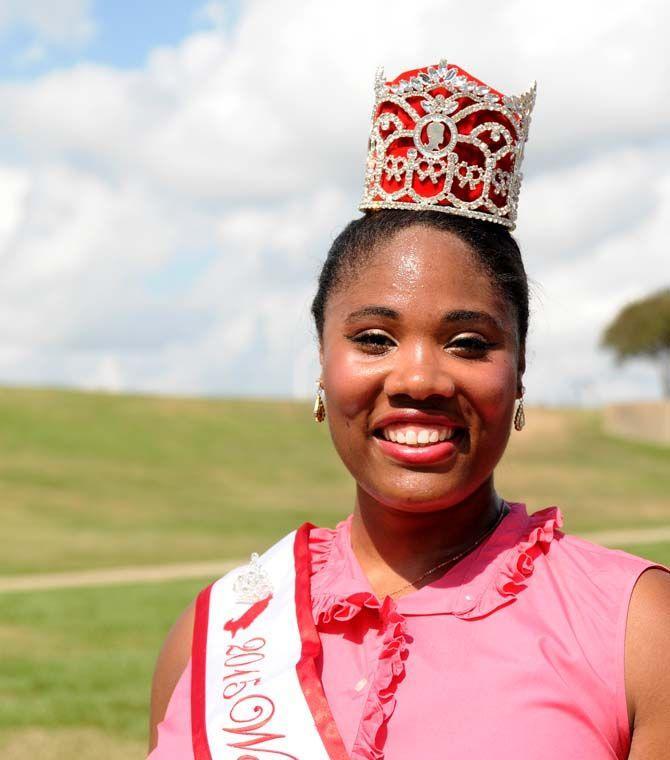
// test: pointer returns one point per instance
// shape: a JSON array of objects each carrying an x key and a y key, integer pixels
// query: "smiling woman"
[
  {"x": 424, "y": 322},
  {"x": 438, "y": 619}
]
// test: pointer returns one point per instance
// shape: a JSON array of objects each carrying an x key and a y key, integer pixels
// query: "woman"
[{"x": 437, "y": 620}]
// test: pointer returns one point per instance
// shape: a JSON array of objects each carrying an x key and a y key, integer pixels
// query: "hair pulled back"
[{"x": 492, "y": 245}]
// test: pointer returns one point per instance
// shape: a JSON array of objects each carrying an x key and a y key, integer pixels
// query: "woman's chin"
[{"x": 417, "y": 497}]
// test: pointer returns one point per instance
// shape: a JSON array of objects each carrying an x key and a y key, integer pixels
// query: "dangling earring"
[
  {"x": 520, "y": 416},
  {"x": 319, "y": 407}
]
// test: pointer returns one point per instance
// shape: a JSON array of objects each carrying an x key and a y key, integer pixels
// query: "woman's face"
[{"x": 421, "y": 369}]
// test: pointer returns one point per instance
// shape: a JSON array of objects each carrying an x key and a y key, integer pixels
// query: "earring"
[
  {"x": 319, "y": 407},
  {"x": 520, "y": 416}
]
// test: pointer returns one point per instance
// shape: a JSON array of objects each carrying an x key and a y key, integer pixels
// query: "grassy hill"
[{"x": 96, "y": 480}]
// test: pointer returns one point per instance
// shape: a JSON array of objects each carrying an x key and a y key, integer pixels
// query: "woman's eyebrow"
[
  {"x": 457, "y": 315},
  {"x": 373, "y": 311},
  {"x": 464, "y": 315}
]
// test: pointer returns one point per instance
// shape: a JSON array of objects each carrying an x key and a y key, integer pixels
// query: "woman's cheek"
[
  {"x": 492, "y": 391},
  {"x": 351, "y": 384}
]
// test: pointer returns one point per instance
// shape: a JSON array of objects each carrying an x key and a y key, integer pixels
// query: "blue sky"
[{"x": 123, "y": 34}]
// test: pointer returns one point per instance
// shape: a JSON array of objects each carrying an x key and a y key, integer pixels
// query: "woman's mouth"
[{"x": 418, "y": 443}]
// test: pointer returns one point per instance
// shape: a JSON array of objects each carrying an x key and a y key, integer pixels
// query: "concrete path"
[
  {"x": 117, "y": 576},
  {"x": 206, "y": 570},
  {"x": 630, "y": 536}
]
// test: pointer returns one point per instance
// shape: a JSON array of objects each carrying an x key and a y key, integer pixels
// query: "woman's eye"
[
  {"x": 373, "y": 342},
  {"x": 466, "y": 345},
  {"x": 471, "y": 344}
]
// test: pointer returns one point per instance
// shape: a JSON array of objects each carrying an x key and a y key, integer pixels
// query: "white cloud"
[
  {"x": 14, "y": 188},
  {"x": 107, "y": 376},
  {"x": 567, "y": 211},
  {"x": 583, "y": 290},
  {"x": 225, "y": 166}
]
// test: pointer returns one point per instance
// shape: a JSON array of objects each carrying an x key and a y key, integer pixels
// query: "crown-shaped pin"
[
  {"x": 253, "y": 584},
  {"x": 445, "y": 141}
]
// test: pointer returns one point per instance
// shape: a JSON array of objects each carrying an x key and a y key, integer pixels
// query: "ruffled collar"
[{"x": 482, "y": 582}]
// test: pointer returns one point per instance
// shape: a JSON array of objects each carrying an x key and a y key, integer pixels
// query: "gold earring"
[
  {"x": 319, "y": 407},
  {"x": 520, "y": 416}
]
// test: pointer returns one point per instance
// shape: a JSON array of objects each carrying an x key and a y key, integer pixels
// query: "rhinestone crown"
[{"x": 442, "y": 140}]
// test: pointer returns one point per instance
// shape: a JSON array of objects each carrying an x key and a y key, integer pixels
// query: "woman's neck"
[{"x": 395, "y": 547}]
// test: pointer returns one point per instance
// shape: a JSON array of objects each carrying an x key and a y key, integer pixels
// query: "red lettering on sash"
[
  {"x": 238, "y": 673},
  {"x": 260, "y": 711},
  {"x": 238, "y": 687},
  {"x": 245, "y": 620},
  {"x": 240, "y": 660},
  {"x": 250, "y": 645}
]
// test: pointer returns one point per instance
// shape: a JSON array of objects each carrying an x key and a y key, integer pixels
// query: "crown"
[
  {"x": 254, "y": 583},
  {"x": 442, "y": 140}
]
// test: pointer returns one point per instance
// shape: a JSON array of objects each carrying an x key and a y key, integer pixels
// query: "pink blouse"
[{"x": 517, "y": 649}]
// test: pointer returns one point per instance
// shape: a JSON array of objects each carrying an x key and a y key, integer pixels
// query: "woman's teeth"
[{"x": 415, "y": 436}]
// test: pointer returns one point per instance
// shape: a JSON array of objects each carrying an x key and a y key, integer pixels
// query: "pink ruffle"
[
  {"x": 518, "y": 564},
  {"x": 390, "y": 671},
  {"x": 320, "y": 546},
  {"x": 326, "y": 607},
  {"x": 329, "y": 550},
  {"x": 542, "y": 527}
]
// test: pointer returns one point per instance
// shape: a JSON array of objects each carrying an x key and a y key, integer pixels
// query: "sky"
[{"x": 172, "y": 175}]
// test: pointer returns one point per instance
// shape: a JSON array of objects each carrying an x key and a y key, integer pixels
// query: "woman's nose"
[{"x": 419, "y": 371}]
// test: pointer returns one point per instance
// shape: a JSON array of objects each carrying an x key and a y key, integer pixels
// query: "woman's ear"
[{"x": 521, "y": 368}]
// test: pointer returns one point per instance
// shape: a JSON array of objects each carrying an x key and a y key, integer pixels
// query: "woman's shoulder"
[
  {"x": 647, "y": 662},
  {"x": 582, "y": 573},
  {"x": 587, "y": 556},
  {"x": 546, "y": 528},
  {"x": 172, "y": 661}
]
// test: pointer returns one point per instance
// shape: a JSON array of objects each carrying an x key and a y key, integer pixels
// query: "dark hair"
[{"x": 493, "y": 245}]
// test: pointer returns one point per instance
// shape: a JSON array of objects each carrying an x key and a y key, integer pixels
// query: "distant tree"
[{"x": 642, "y": 329}]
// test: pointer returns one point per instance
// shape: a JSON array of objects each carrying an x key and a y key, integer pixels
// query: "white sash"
[{"x": 255, "y": 691}]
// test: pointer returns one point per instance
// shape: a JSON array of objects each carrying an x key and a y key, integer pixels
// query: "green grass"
[
  {"x": 599, "y": 481},
  {"x": 657, "y": 552},
  {"x": 84, "y": 657},
  {"x": 95, "y": 480}
]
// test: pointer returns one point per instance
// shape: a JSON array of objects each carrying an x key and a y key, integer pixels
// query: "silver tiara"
[{"x": 442, "y": 140}]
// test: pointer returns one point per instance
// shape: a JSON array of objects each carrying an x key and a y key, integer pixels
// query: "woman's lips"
[{"x": 428, "y": 454}]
